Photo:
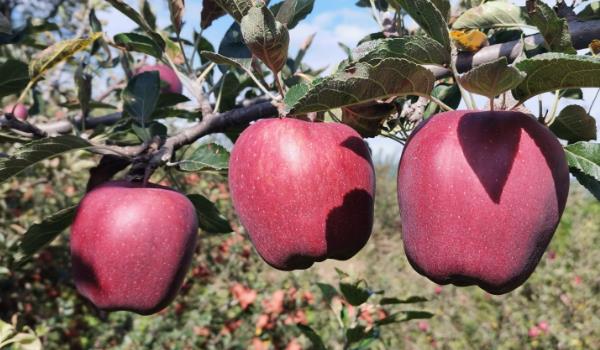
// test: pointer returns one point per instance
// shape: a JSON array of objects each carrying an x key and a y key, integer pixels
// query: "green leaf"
[
  {"x": 55, "y": 54},
  {"x": 555, "y": 71},
  {"x": 140, "y": 97},
  {"x": 367, "y": 118},
  {"x": 148, "y": 14},
  {"x": 576, "y": 94},
  {"x": 15, "y": 77},
  {"x": 418, "y": 49},
  {"x": 291, "y": 12},
  {"x": 315, "y": 339},
  {"x": 207, "y": 157},
  {"x": 95, "y": 23},
  {"x": 328, "y": 291},
  {"x": 591, "y": 11},
  {"x": 267, "y": 38},
  {"x": 381, "y": 5},
  {"x": 202, "y": 45},
  {"x": 588, "y": 182},
  {"x": 38, "y": 150},
  {"x": 411, "y": 300},
  {"x": 364, "y": 82},
  {"x": 585, "y": 157},
  {"x": 229, "y": 88},
  {"x": 138, "y": 43},
  {"x": 492, "y": 79},
  {"x": 170, "y": 99},
  {"x": 492, "y": 14},
  {"x": 555, "y": 30},
  {"x": 138, "y": 19},
  {"x": 211, "y": 11},
  {"x": 574, "y": 124},
  {"x": 209, "y": 217},
  {"x": 41, "y": 234},
  {"x": 444, "y": 7},
  {"x": 233, "y": 46},
  {"x": 294, "y": 94},
  {"x": 416, "y": 315},
  {"x": 427, "y": 15},
  {"x": 242, "y": 63},
  {"x": 236, "y": 8},
  {"x": 355, "y": 334},
  {"x": 354, "y": 294},
  {"x": 447, "y": 93}
]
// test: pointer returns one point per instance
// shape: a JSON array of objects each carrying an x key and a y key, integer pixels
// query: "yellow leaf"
[
  {"x": 469, "y": 40},
  {"x": 53, "y": 55},
  {"x": 595, "y": 47}
]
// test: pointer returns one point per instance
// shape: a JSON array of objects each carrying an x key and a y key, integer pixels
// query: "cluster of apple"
[{"x": 480, "y": 195}]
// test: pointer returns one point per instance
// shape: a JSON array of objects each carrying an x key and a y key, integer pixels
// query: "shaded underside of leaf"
[
  {"x": 574, "y": 124},
  {"x": 492, "y": 78},
  {"x": 419, "y": 49},
  {"x": 492, "y": 14},
  {"x": 427, "y": 15},
  {"x": 555, "y": 71},
  {"x": 364, "y": 82}
]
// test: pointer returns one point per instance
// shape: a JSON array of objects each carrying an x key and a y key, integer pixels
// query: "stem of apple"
[
  {"x": 465, "y": 95},
  {"x": 552, "y": 115},
  {"x": 593, "y": 101},
  {"x": 438, "y": 102},
  {"x": 492, "y": 103}
]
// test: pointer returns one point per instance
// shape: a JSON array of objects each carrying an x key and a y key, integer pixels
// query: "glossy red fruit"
[
  {"x": 20, "y": 111},
  {"x": 169, "y": 78},
  {"x": 480, "y": 195},
  {"x": 131, "y": 246},
  {"x": 304, "y": 191}
]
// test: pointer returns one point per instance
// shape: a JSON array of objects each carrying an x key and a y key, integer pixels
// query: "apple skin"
[
  {"x": 167, "y": 76},
  {"x": 480, "y": 195},
  {"x": 20, "y": 111},
  {"x": 131, "y": 246},
  {"x": 304, "y": 191}
]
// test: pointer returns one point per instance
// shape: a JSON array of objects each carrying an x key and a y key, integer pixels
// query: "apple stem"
[
  {"x": 593, "y": 101},
  {"x": 438, "y": 102},
  {"x": 492, "y": 103},
  {"x": 552, "y": 115}
]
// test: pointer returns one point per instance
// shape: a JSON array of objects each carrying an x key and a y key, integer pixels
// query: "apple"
[
  {"x": 168, "y": 77},
  {"x": 303, "y": 190},
  {"x": 480, "y": 196},
  {"x": 19, "y": 110},
  {"x": 131, "y": 245}
]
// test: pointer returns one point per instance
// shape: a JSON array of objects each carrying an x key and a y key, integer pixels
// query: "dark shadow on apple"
[
  {"x": 554, "y": 163},
  {"x": 490, "y": 145},
  {"x": 83, "y": 272},
  {"x": 349, "y": 226},
  {"x": 358, "y": 146}
]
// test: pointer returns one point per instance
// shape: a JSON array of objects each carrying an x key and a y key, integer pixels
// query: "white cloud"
[{"x": 347, "y": 26}]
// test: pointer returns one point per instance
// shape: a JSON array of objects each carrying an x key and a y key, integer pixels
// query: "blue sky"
[{"x": 334, "y": 21}]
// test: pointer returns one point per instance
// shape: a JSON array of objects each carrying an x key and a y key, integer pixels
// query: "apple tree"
[{"x": 134, "y": 113}]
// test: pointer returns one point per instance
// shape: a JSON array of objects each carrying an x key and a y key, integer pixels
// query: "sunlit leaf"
[{"x": 38, "y": 150}]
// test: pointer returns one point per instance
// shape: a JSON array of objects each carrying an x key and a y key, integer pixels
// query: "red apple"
[
  {"x": 131, "y": 246},
  {"x": 19, "y": 110},
  {"x": 480, "y": 195},
  {"x": 169, "y": 78},
  {"x": 303, "y": 190}
]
